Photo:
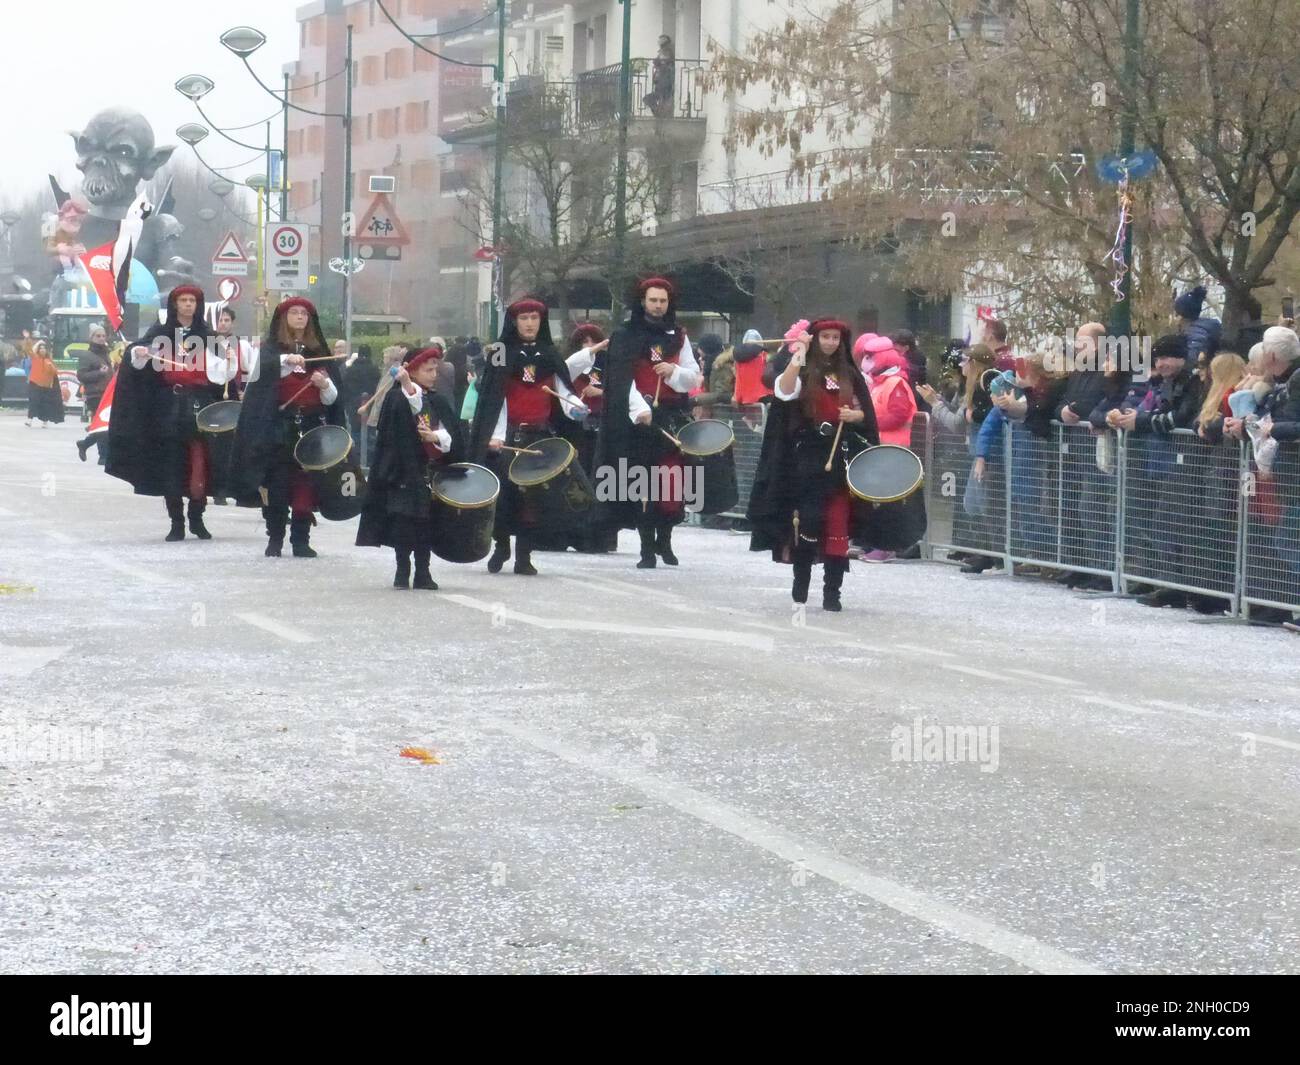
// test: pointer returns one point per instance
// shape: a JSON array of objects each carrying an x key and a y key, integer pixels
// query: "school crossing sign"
[
  {"x": 287, "y": 265},
  {"x": 381, "y": 234}
]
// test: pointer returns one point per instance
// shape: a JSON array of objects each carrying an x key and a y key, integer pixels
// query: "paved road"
[{"x": 637, "y": 772}]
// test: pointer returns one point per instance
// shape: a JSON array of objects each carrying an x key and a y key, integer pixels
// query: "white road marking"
[
  {"x": 819, "y": 630},
  {"x": 275, "y": 628},
  {"x": 695, "y": 635},
  {"x": 1272, "y": 741},
  {"x": 967, "y": 927},
  {"x": 1049, "y": 677},
  {"x": 1183, "y": 708},
  {"x": 932, "y": 652},
  {"x": 971, "y": 671},
  {"x": 643, "y": 590},
  {"x": 1097, "y": 700},
  {"x": 144, "y": 576}
]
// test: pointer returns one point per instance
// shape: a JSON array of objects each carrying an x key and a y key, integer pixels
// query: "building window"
[
  {"x": 370, "y": 126},
  {"x": 372, "y": 12},
  {"x": 302, "y": 35}
]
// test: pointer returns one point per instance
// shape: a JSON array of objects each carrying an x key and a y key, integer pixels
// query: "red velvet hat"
[
  {"x": 415, "y": 359},
  {"x": 297, "y": 301},
  {"x": 656, "y": 282},
  {"x": 830, "y": 323},
  {"x": 584, "y": 332},
  {"x": 186, "y": 290},
  {"x": 527, "y": 305}
]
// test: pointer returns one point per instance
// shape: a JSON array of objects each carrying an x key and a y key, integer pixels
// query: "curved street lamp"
[
  {"x": 192, "y": 133},
  {"x": 243, "y": 40},
  {"x": 221, "y": 187},
  {"x": 195, "y": 86}
]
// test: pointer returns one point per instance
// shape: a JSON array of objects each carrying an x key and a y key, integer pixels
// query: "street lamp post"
[
  {"x": 1121, "y": 316},
  {"x": 258, "y": 183},
  {"x": 620, "y": 188},
  {"x": 499, "y": 91},
  {"x": 349, "y": 223}
]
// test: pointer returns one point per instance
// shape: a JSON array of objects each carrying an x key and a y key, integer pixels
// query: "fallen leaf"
[{"x": 420, "y": 754}]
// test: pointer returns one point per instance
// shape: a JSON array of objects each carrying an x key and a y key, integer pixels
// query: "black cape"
[
  {"x": 618, "y": 439},
  {"x": 492, "y": 383},
  {"x": 777, "y": 489},
  {"x": 135, "y": 432},
  {"x": 259, "y": 437},
  {"x": 395, "y": 484}
]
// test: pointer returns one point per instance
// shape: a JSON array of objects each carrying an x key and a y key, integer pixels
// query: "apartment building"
[
  {"x": 397, "y": 88},
  {"x": 743, "y": 239}
]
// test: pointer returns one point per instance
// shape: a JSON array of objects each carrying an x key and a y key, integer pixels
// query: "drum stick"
[
  {"x": 325, "y": 358},
  {"x": 835, "y": 446},
  {"x": 392, "y": 372},
  {"x": 521, "y": 450},
  {"x": 671, "y": 437},
  {"x": 292, "y": 398},
  {"x": 658, "y": 385},
  {"x": 567, "y": 399}
]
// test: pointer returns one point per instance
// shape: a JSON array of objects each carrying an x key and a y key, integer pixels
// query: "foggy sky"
[{"x": 63, "y": 60}]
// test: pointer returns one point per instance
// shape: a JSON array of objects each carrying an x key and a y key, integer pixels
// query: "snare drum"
[
  {"x": 464, "y": 510},
  {"x": 217, "y": 422},
  {"x": 553, "y": 484},
  {"x": 889, "y": 509},
  {"x": 326, "y": 453},
  {"x": 710, "y": 447}
]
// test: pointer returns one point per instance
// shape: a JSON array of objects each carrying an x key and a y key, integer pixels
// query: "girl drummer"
[
  {"x": 286, "y": 398},
  {"x": 821, "y": 415},
  {"x": 418, "y": 434}
]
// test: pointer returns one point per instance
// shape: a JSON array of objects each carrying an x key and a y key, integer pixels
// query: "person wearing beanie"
[
  {"x": 822, "y": 413},
  {"x": 285, "y": 400},
  {"x": 710, "y": 346},
  {"x": 917, "y": 372},
  {"x": 586, "y": 363},
  {"x": 751, "y": 368},
  {"x": 419, "y": 433},
  {"x": 1203, "y": 334},
  {"x": 153, "y": 439},
  {"x": 719, "y": 376}
]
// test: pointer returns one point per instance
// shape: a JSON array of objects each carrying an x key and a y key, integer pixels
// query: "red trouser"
[
  {"x": 835, "y": 524},
  {"x": 198, "y": 476},
  {"x": 302, "y": 494}
]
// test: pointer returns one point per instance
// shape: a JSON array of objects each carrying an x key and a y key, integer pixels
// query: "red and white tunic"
[
  {"x": 676, "y": 387},
  {"x": 528, "y": 403}
]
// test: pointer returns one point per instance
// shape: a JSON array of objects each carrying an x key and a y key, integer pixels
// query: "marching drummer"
[
  {"x": 287, "y": 396},
  {"x": 650, "y": 373},
  {"x": 524, "y": 393},
  {"x": 822, "y": 414},
  {"x": 418, "y": 434},
  {"x": 155, "y": 443}
]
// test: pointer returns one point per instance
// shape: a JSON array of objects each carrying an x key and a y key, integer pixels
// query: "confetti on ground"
[{"x": 421, "y": 755}]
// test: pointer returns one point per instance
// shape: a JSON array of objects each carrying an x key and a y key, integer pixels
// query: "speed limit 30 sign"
[{"x": 286, "y": 256}]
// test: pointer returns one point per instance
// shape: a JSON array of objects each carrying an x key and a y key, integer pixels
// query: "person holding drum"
[
  {"x": 586, "y": 363},
  {"x": 822, "y": 415},
  {"x": 170, "y": 374},
  {"x": 651, "y": 371},
  {"x": 419, "y": 433},
  {"x": 285, "y": 399},
  {"x": 524, "y": 393}
]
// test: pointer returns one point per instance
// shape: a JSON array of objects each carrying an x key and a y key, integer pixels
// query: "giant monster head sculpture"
[{"x": 115, "y": 152}]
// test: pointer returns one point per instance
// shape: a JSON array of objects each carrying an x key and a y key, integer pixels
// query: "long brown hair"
[
  {"x": 310, "y": 342},
  {"x": 981, "y": 359},
  {"x": 816, "y": 369}
]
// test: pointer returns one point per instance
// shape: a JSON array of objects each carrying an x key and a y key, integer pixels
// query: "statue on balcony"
[{"x": 663, "y": 78}]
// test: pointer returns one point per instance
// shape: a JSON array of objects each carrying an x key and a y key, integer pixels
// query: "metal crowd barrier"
[{"x": 1165, "y": 511}]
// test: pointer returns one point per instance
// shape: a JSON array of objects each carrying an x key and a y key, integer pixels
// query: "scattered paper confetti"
[{"x": 421, "y": 755}]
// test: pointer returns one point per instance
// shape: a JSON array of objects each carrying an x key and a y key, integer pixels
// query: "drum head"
[
  {"x": 707, "y": 437},
  {"x": 466, "y": 485},
  {"x": 323, "y": 447},
  {"x": 219, "y": 417},
  {"x": 529, "y": 470},
  {"x": 884, "y": 474}
]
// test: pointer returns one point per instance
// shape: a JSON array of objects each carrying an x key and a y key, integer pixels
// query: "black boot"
[
  {"x": 196, "y": 520},
  {"x": 176, "y": 511},
  {"x": 524, "y": 558},
  {"x": 832, "y": 580},
  {"x": 664, "y": 545},
  {"x": 300, "y": 537},
  {"x": 275, "y": 518},
  {"x": 423, "y": 578},
  {"x": 402, "y": 578},
  {"x": 802, "y": 578},
  {"x": 82, "y": 447},
  {"x": 648, "y": 558},
  {"x": 500, "y": 555}
]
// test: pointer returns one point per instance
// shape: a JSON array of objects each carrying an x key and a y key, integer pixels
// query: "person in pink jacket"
[{"x": 895, "y": 405}]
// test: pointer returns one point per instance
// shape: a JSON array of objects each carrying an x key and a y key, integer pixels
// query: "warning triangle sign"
[
  {"x": 230, "y": 250},
  {"x": 380, "y": 224}
]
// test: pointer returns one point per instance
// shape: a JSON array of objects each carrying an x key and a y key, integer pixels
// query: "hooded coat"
[
  {"x": 491, "y": 384},
  {"x": 138, "y": 433},
  {"x": 261, "y": 434}
]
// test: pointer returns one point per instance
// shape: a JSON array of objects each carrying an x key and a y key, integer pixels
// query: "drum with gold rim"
[
  {"x": 464, "y": 510},
  {"x": 888, "y": 507}
]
